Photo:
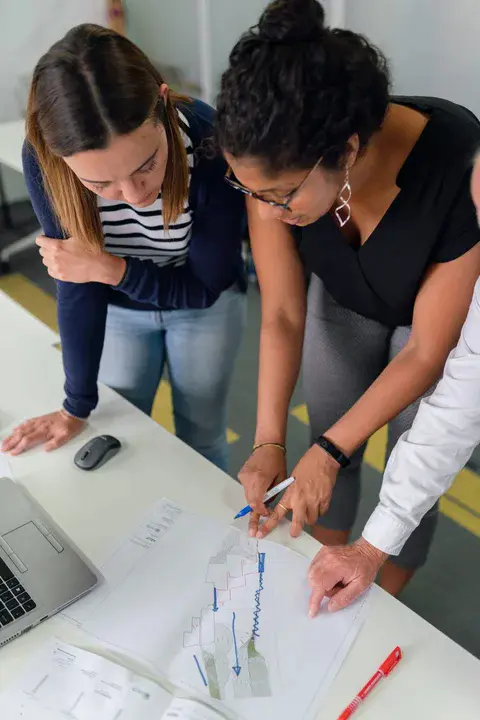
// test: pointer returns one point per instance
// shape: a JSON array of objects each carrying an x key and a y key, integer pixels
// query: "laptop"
[{"x": 40, "y": 572}]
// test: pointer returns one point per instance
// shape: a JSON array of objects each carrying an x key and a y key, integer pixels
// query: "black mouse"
[{"x": 96, "y": 452}]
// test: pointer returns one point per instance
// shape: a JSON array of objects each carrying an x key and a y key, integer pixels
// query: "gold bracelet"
[{"x": 270, "y": 444}]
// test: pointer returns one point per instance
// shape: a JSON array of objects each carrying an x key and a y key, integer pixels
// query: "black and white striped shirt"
[{"x": 129, "y": 232}]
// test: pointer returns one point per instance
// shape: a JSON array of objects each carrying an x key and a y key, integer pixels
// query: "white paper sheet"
[
  {"x": 128, "y": 556},
  {"x": 221, "y": 614},
  {"x": 189, "y": 710},
  {"x": 64, "y": 681}
]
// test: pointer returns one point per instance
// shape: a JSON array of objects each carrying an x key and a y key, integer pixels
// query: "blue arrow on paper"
[
  {"x": 215, "y": 605},
  {"x": 204, "y": 679},
  {"x": 236, "y": 668}
]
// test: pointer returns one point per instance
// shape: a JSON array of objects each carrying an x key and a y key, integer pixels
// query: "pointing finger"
[
  {"x": 278, "y": 514},
  {"x": 253, "y": 524},
  {"x": 318, "y": 593},
  {"x": 298, "y": 519}
]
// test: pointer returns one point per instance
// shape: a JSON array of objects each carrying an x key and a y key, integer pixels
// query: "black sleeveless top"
[{"x": 432, "y": 220}]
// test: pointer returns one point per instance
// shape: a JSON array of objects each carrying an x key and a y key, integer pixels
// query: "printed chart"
[
  {"x": 220, "y": 616},
  {"x": 224, "y": 637}
]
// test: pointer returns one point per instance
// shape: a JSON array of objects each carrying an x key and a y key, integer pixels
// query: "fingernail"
[
  {"x": 251, "y": 533},
  {"x": 311, "y": 614},
  {"x": 259, "y": 535}
]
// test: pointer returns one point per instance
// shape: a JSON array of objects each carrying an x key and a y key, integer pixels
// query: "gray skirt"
[{"x": 343, "y": 355}]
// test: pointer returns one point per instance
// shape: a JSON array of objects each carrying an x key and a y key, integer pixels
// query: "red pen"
[{"x": 385, "y": 669}]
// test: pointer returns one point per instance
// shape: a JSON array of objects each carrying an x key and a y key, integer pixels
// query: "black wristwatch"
[{"x": 332, "y": 450}]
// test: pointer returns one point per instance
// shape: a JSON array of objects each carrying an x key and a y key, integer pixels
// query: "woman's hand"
[
  {"x": 54, "y": 430},
  {"x": 264, "y": 468},
  {"x": 70, "y": 261},
  {"x": 309, "y": 496}
]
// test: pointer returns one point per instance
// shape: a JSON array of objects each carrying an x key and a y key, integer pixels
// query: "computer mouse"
[{"x": 96, "y": 452}]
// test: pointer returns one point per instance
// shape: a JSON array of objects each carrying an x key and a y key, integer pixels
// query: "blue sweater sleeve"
[
  {"x": 212, "y": 265},
  {"x": 81, "y": 308},
  {"x": 215, "y": 248}
]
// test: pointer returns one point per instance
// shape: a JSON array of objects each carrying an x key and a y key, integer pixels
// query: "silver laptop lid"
[{"x": 40, "y": 572}]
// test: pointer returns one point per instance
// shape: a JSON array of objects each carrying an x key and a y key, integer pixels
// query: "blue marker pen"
[{"x": 269, "y": 495}]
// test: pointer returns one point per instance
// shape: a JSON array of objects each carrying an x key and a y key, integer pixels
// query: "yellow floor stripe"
[
  {"x": 466, "y": 489},
  {"x": 461, "y": 516},
  {"x": 162, "y": 411},
  {"x": 31, "y": 297},
  {"x": 301, "y": 413},
  {"x": 376, "y": 450}
]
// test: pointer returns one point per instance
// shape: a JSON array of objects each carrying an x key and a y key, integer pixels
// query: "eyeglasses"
[{"x": 273, "y": 203}]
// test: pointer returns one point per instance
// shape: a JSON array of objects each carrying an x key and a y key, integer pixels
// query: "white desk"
[
  {"x": 12, "y": 135},
  {"x": 437, "y": 679}
]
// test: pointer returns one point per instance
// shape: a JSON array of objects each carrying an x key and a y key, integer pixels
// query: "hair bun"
[{"x": 291, "y": 21}]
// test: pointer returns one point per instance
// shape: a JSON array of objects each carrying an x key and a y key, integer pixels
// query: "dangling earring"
[{"x": 345, "y": 197}]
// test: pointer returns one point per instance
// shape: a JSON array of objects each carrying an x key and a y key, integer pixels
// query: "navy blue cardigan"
[{"x": 214, "y": 263}]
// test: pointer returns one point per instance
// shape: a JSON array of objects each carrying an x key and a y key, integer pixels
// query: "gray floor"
[{"x": 446, "y": 592}]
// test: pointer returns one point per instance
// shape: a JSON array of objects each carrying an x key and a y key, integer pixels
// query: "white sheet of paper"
[
  {"x": 126, "y": 558},
  {"x": 189, "y": 710},
  {"x": 221, "y": 614},
  {"x": 65, "y": 681}
]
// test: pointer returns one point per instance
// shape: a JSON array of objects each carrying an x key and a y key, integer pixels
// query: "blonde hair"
[{"x": 90, "y": 86}]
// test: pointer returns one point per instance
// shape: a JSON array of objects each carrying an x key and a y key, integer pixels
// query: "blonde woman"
[{"x": 142, "y": 235}]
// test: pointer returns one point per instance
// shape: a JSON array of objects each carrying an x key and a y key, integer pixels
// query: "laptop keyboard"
[{"x": 15, "y": 602}]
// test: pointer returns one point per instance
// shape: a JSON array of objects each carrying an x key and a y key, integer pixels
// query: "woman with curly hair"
[{"x": 372, "y": 192}]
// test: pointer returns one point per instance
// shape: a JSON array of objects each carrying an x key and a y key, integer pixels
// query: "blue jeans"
[{"x": 199, "y": 348}]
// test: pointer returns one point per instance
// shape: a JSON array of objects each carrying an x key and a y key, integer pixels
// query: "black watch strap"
[{"x": 332, "y": 450}]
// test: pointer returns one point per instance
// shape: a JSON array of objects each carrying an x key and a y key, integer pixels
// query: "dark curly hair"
[{"x": 296, "y": 90}]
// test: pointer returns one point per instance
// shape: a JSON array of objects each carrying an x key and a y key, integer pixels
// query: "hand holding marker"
[{"x": 268, "y": 496}]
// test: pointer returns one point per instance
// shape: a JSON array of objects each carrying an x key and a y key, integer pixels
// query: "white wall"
[
  {"x": 229, "y": 19},
  {"x": 434, "y": 45},
  {"x": 166, "y": 30},
  {"x": 335, "y": 12},
  {"x": 27, "y": 29}
]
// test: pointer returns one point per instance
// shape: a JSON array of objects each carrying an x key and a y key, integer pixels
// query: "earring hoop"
[{"x": 343, "y": 212}]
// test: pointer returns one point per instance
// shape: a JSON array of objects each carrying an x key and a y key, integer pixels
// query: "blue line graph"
[
  {"x": 204, "y": 679},
  {"x": 258, "y": 607}
]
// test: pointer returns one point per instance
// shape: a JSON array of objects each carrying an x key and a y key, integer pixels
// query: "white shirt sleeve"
[{"x": 427, "y": 458}]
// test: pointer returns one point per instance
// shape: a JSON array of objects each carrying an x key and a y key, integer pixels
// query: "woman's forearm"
[
  {"x": 402, "y": 382},
  {"x": 281, "y": 345}
]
